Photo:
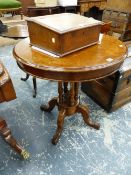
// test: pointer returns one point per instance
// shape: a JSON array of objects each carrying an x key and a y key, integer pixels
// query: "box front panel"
[
  {"x": 75, "y": 40},
  {"x": 44, "y": 38}
]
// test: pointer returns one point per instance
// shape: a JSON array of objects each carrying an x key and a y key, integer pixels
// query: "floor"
[{"x": 81, "y": 149}]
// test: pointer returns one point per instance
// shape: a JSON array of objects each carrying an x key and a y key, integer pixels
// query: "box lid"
[{"x": 65, "y": 22}]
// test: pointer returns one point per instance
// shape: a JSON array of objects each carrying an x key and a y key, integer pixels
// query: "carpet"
[{"x": 81, "y": 150}]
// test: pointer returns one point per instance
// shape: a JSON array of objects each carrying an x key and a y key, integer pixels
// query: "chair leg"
[
  {"x": 12, "y": 13},
  {"x": 5, "y": 132},
  {"x": 21, "y": 14},
  {"x": 34, "y": 84},
  {"x": 26, "y": 78},
  {"x": 35, "y": 87}
]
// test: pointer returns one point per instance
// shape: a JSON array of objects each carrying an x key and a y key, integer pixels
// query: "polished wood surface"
[
  {"x": 7, "y": 93},
  {"x": 62, "y": 38},
  {"x": 89, "y": 63},
  {"x": 63, "y": 44}
]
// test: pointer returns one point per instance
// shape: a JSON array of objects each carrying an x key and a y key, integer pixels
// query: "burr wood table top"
[{"x": 93, "y": 62}]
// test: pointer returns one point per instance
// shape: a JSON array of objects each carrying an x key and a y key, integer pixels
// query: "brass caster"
[{"x": 25, "y": 154}]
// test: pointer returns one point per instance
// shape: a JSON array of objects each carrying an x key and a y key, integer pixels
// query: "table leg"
[
  {"x": 5, "y": 132},
  {"x": 51, "y": 104},
  {"x": 68, "y": 104},
  {"x": 85, "y": 114},
  {"x": 60, "y": 123}
]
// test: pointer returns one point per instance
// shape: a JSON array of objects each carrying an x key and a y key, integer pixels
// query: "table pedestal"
[
  {"x": 68, "y": 104},
  {"x": 5, "y": 132}
]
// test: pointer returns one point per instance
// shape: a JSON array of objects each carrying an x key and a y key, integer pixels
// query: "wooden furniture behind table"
[
  {"x": 25, "y": 4},
  {"x": 87, "y": 64},
  {"x": 113, "y": 91},
  {"x": 12, "y": 7},
  {"x": 48, "y": 10},
  {"x": 119, "y": 13},
  {"x": 85, "y": 5},
  {"x": 7, "y": 93}
]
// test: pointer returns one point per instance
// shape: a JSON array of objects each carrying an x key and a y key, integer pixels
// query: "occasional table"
[
  {"x": 91, "y": 63},
  {"x": 17, "y": 31}
]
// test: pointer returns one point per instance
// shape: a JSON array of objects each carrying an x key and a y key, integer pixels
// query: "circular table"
[
  {"x": 17, "y": 31},
  {"x": 91, "y": 63}
]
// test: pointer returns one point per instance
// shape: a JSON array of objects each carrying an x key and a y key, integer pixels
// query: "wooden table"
[
  {"x": 17, "y": 31},
  {"x": 87, "y": 64}
]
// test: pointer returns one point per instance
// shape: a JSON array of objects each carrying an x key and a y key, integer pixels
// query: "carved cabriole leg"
[
  {"x": 51, "y": 104},
  {"x": 85, "y": 114},
  {"x": 7, "y": 136},
  {"x": 60, "y": 123}
]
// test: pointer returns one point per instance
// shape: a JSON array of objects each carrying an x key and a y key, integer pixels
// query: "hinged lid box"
[{"x": 63, "y": 33}]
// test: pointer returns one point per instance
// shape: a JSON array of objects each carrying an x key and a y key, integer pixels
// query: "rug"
[{"x": 81, "y": 150}]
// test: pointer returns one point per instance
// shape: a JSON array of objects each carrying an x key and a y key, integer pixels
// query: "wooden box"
[
  {"x": 113, "y": 91},
  {"x": 63, "y": 33}
]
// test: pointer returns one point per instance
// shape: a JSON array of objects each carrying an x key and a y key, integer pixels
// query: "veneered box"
[{"x": 63, "y": 33}]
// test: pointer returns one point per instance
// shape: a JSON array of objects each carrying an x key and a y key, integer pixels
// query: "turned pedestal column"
[{"x": 68, "y": 104}]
